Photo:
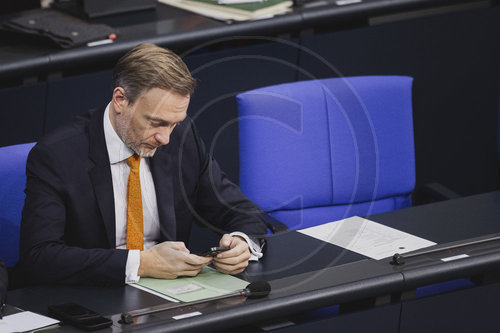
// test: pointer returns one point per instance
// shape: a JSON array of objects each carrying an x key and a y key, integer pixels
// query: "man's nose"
[{"x": 163, "y": 136}]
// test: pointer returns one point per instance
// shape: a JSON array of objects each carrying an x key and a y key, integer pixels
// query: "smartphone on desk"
[
  {"x": 213, "y": 251},
  {"x": 79, "y": 316}
]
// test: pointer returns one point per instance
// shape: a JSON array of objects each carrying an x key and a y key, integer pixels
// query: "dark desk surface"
[
  {"x": 309, "y": 275},
  {"x": 306, "y": 274},
  {"x": 450, "y": 222},
  {"x": 181, "y": 30}
]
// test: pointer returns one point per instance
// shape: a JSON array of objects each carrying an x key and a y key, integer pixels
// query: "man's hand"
[
  {"x": 169, "y": 260},
  {"x": 235, "y": 260}
]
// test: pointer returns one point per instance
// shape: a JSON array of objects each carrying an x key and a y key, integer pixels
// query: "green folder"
[
  {"x": 238, "y": 12},
  {"x": 209, "y": 283},
  {"x": 246, "y": 8}
]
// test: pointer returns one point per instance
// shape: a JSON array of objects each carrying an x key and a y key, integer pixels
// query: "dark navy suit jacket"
[{"x": 68, "y": 221}]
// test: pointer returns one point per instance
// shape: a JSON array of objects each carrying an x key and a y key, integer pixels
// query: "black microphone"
[{"x": 255, "y": 289}]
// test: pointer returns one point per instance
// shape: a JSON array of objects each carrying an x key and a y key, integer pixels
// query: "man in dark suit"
[{"x": 87, "y": 181}]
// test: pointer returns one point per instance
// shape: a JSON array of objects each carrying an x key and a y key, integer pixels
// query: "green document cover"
[
  {"x": 236, "y": 12},
  {"x": 209, "y": 283},
  {"x": 246, "y": 7},
  {"x": 251, "y": 10}
]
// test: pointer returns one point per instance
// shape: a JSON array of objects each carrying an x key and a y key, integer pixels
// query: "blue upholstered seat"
[
  {"x": 12, "y": 184},
  {"x": 318, "y": 151}
]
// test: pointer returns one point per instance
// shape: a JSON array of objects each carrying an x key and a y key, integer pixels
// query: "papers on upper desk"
[
  {"x": 366, "y": 237},
  {"x": 228, "y": 2},
  {"x": 233, "y": 11},
  {"x": 25, "y": 321}
]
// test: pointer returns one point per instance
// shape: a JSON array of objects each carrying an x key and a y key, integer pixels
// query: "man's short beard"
[
  {"x": 139, "y": 151},
  {"x": 121, "y": 130}
]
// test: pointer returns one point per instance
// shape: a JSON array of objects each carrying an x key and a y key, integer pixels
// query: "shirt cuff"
[
  {"x": 253, "y": 245},
  {"x": 132, "y": 267}
]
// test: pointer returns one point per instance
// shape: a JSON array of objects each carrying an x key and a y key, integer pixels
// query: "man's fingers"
[
  {"x": 171, "y": 259},
  {"x": 226, "y": 240},
  {"x": 231, "y": 269},
  {"x": 239, "y": 249},
  {"x": 180, "y": 246},
  {"x": 195, "y": 260},
  {"x": 185, "y": 267},
  {"x": 232, "y": 265},
  {"x": 233, "y": 260}
]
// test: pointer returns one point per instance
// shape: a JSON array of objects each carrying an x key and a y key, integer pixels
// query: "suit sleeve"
[
  {"x": 45, "y": 255},
  {"x": 220, "y": 202}
]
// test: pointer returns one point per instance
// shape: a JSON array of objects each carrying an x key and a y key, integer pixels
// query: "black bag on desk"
[
  {"x": 96, "y": 8},
  {"x": 65, "y": 30}
]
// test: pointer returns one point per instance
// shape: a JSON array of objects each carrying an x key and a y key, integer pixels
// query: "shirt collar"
[{"x": 117, "y": 150}]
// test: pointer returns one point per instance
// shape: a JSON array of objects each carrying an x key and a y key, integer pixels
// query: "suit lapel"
[
  {"x": 100, "y": 174},
  {"x": 161, "y": 169}
]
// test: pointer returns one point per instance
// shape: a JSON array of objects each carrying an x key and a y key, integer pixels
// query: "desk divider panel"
[
  {"x": 70, "y": 96},
  {"x": 22, "y": 113}
]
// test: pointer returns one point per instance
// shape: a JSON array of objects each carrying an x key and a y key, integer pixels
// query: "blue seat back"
[
  {"x": 12, "y": 184},
  {"x": 318, "y": 151}
]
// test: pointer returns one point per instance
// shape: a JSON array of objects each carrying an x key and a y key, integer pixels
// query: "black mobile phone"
[
  {"x": 213, "y": 251},
  {"x": 79, "y": 316}
]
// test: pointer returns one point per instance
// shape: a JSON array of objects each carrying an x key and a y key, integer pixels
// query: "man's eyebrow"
[{"x": 160, "y": 121}]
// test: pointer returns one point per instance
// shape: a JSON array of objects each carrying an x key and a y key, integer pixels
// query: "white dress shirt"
[{"x": 118, "y": 152}]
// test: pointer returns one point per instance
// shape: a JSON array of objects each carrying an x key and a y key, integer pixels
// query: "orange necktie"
[{"x": 135, "y": 230}]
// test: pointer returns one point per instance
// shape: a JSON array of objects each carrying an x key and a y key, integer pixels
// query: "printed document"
[{"x": 366, "y": 237}]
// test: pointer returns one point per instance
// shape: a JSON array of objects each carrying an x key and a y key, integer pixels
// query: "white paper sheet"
[
  {"x": 25, "y": 321},
  {"x": 366, "y": 237},
  {"x": 138, "y": 286}
]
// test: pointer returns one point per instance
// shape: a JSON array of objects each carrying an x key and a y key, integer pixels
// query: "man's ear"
[{"x": 120, "y": 101}]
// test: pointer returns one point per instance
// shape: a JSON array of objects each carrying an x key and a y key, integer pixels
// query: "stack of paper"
[{"x": 233, "y": 11}]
